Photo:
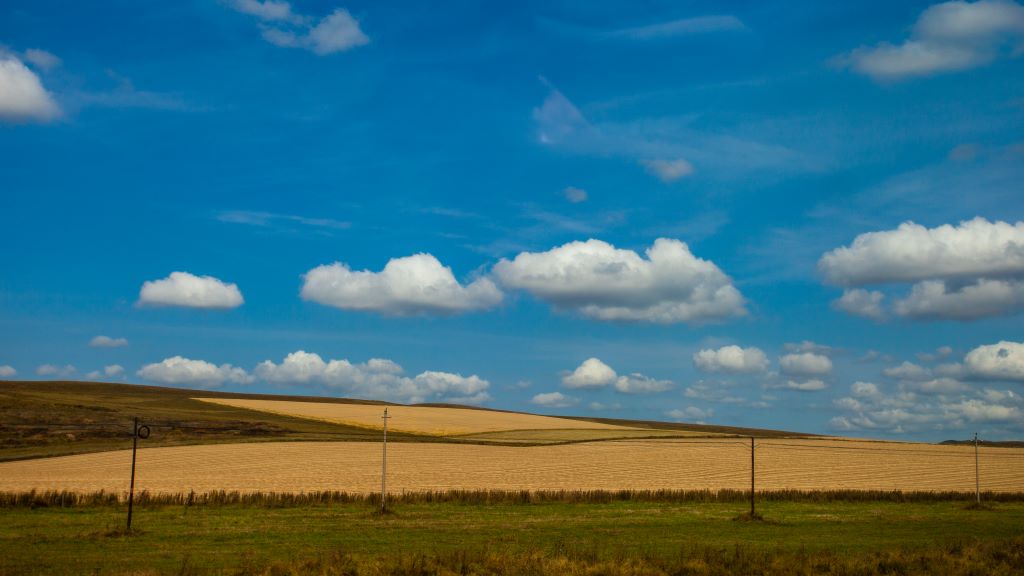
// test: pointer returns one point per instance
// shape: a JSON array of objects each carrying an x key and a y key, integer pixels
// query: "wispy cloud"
[
  {"x": 680, "y": 27},
  {"x": 273, "y": 219}
]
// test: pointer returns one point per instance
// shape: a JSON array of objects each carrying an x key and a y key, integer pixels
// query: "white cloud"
[
  {"x": 636, "y": 383},
  {"x": 1002, "y": 361},
  {"x": 808, "y": 346},
  {"x": 933, "y": 300},
  {"x": 731, "y": 359},
  {"x": 111, "y": 371},
  {"x": 606, "y": 283},
  {"x": 376, "y": 379},
  {"x": 865, "y": 390},
  {"x": 947, "y": 37},
  {"x": 805, "y": 364},
  {"x": 107, "y": 342},
  {"x": 860, "y": 302},
  {"x": 190, "y": 291},
  {"x": 681, "y": 27},
  {"x": 7, "y": 371},
  {"x": 54, "y": 370},
  {"x": 940, "y": 353},
  {"x": 179, "y": 371},
  {"x": 336, "y": 32},
  {"x": 691, "y": 413},
  {"x": 42, "y": 59},
  {"x": 912, "y": 253},
  {"x": 574, "y": 194},
  {"x": 962, "y": 272},
  {"x": 811, "y": 385},
  {"x": 22, "y": 95},
  {"x": 268, "y": 10},
  {"x": 907, "y": 371},
  {"x": 592, "y": 373},
  {"x": 417, "y": 284},
  {"x": 668, "y": 170},
  {"x": 554, "y": 400}
]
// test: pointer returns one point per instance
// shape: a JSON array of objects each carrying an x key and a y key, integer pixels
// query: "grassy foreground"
[{"x": 619, "y": 537}]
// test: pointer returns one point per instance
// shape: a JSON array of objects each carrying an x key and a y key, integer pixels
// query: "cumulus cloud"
[
  {"x": 731, "y": 359},
  {"x": 22, "y": 95},
  {"x": 592, "y": 373},
  {"x": 805, "y": 364},
  {"x": 963, "y": 272},
  {"x": 574, "y": 194},
  {"x": 637, "y": 383},
  {"x": 602, "y": 282},
  {"x": 691, "y": 413},
  {"x": 907, "y": 371},
  {"x": 111, "y": 371},
  {"x": 942, "y": 404},
  {"x": 7, "y": 371},
  {"x": 375, "y": 379},
  {"x": 860, "y": 302},
  {"x": 554, "y": 400},
  {"x": 54, "y": 370},
  {"x": 107, "y": 342},
  {"x": 190, "y": 291},
  {"x": 179, "y": 371},
  {"x": 811, "y": 385},
  {"x": 668, "y": 170},
  {"x": 947, "y": 37},
  {"x": 1002, "y": 361},
  {"x": 938, "y": 300},
  {"x": 281, "y": 26},
  {"x": 417, "y": 284}
]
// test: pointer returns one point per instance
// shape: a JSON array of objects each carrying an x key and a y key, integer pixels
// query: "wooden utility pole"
[
  {"x": 131, "y": 486},
  {"x": 977, "y": 476},
  {"x": 384, "y": 467},
  {"x": 751, "y": 476}
]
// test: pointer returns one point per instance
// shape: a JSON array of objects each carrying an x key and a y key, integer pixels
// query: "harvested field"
[
  {"x": 417, "y": 419},
  {"x": 612, "y": 465},
  {"x": 576, "y": 435}
]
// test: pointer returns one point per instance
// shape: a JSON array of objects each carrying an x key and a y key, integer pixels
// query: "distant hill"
[{"x": 52, "y": 418}]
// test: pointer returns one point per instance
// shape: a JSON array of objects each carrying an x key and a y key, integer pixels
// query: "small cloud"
[
  {"x": 107, "y": 342},
  {"x": 964, "y": 153},
  {"x": 179, "y": 371},
  {"x": 637, "y": 383},
  {"x": 681, "y": 27},
  {"x": 187, "y": 290},
  {"x": 268, "y": 219},
  {"x": 805, "y": 364},
  {"x": 691, "y": 413},
  {"x": 336, "y": 32},
  {"x": 731, "y": 359},
  {"x": 860, "y": 302},
  {"x": 808, "y": 346},
  {"x": 554, "y": 400},
  {"x": 668, "y": 170},
  {"x": 42, "y": 59},
  {"x": 592, "y": 373},
  {"x": 417, "y": 284},
  {"x": 812, "y": 385},
  {"x": 600, "y": 406},
  {"x": 22, "y": 95},
  {"x": 574, "y": 194},
  {"x": 7, "y": 371},
  {"x": 54, "y": 370},
  {"x": 111, "y": 371}
]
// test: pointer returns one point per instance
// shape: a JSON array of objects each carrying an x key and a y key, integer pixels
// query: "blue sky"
[{"x": 517, "y": 164}]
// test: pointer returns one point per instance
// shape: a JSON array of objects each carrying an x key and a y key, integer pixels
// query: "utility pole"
[
  {"x": 977, "y": 476},
  {"x": 137, "y": 432},
  {"x": 384, "y": 467},
  {"x": 751, "y": 476}
]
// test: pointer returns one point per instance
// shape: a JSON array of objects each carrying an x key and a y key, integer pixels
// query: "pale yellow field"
[
  {"x": 416, "y": 419},
  {"x": 625, "y": 464},
  {"x": 577, "y": 435}
]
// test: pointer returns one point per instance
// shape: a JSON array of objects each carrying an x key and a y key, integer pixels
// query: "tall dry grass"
[{"x": 480, "y": 497}]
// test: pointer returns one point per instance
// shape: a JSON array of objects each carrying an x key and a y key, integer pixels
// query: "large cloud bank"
[
  {"x": 963, "y": 272},
  {"x": 603, "y": 282}
]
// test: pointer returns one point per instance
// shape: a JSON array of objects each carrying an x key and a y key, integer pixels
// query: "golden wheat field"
[
  {"x": 608, "y": 465},
  {"x": 430, "y": 420}
]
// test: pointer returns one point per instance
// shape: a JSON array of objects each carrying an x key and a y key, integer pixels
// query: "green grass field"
[{"x": 612, "y": 538}]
